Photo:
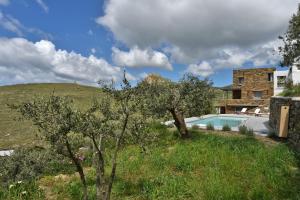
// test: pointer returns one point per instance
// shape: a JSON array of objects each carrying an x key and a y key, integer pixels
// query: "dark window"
[
  {"x": 236, "y": 94},
  {"x": 281, "y": 81},
  {"x": 270, "y": 77},
  {"x": 257, "y": 94},
  {"x": 241, "y": 80},
  {"x": 298, "y": 66}
]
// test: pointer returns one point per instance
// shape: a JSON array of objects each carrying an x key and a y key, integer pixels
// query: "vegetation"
[
  {"x": 14, "y": 133},
  {"x": 291, "y": 91},
  {"x": 105, "y": 140},
  {"x": 226, "y": 127},
  {"x": 290, "y": 51},
  {"x": 219, "y": 167},
  {"x": 110, "y": 122},
  {"x": 210, "y": 126},
  {"x": 190, "y": 97},
  {"x": 245, "y": 131},
  {"x": 22, "y": 190},
  {"x": 28, "y": 164}
]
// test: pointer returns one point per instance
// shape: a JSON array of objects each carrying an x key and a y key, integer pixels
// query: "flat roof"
[{"x": 253, "y": 69}]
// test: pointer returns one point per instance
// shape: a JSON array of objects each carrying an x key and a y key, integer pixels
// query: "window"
[
  {"x": 257, "y": 94},
  {"x": 270, "y": 77},
  {"x": 236, "y": 94},
  {"x": 298, "y": 66},
  {"x": 281, "y": 81},
  {"x": 241, "y": 80}
]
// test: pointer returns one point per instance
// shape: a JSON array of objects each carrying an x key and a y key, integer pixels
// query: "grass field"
[
  {"x": 14, "y": 133},
  {"x": 208, "y": 166}
]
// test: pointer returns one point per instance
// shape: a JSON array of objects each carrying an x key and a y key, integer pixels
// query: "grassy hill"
[{"x": 15, "y": 133}]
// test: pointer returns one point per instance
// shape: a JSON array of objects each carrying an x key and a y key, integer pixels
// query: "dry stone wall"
[{"x": 294, "y": 117}]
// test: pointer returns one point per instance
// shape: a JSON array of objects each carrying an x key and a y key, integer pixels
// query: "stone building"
[{"x": 251, "y": 88}]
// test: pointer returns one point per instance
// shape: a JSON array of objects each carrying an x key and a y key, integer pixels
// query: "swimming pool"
[{"x": 218, "y": 121}]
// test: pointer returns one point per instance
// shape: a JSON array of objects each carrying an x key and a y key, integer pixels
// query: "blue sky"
[{"x": 82, "y": 41}]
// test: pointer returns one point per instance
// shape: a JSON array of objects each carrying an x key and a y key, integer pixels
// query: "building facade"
[
  {"x": 251, "y": 88},
  {"x": 294, "y": 74},
  {"x": 279, "y": 81}
]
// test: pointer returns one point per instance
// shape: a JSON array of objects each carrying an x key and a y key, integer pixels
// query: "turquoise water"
[{"x": 220, "y": 121}]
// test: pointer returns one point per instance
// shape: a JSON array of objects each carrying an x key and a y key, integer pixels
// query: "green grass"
[
  {"x": 208, "y": 166},
  {"x": 14, "y": 133}
]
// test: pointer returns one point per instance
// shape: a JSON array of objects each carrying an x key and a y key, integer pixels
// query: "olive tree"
[
  {"x": 56, "y": 119},
  {"x": 189, "y": 97},
  {"x": 290, "y": 50},
  {"x": 109, "y": 124},
  {"x": 113, "y": 121}
]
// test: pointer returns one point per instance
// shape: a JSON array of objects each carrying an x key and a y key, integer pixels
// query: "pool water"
[{"x": 219, "y": 121}]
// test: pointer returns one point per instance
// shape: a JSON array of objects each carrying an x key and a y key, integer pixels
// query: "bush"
[
  {"x": 226, "y": 127},
  {"x": 291, "y": 91},
  {"x": 210, "y": 127},
  {"x": 245, "y": 131},
  {"x": 27, "y": 164}
]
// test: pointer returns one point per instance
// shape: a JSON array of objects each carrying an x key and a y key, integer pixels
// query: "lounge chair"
[
  {"x": 243, "y": 111},
  {"x": 256, "y": 112}
]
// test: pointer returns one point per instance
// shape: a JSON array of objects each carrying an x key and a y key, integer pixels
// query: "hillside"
[{"x": 14, "y": 132}]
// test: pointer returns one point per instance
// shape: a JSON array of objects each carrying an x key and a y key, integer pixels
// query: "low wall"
[{"x": 294, "y": 117}]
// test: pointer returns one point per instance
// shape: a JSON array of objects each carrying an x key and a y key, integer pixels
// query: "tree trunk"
[
  {"x": 114, "y": 159},
  {"x": 100, "y": 173},
  {"x": 180, "y": 123},
  {"x": 79, "y": 170}
]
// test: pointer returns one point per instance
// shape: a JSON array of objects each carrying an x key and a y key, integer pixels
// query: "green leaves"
[{"x": 290, "y": 51}]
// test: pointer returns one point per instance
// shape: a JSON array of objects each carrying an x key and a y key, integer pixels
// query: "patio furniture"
[
  {"x": 243, "y": 111},
  {"x": 256, "y": 112}
]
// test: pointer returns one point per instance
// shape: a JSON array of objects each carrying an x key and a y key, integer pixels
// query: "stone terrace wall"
[{"x": 294, "y": 117}]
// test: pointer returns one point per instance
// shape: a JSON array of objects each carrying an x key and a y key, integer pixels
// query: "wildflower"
[
  {"x": 11, "y": 186},
  {"x": 19, "y": 182},
  {"x": 24, "y": 192}
]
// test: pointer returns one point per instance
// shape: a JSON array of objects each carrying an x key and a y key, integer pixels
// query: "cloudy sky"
[{"x": 84, "y": 41}]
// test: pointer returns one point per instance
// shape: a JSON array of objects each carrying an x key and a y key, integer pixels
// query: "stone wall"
[
  {"x": 254, "y": 80},
  {"x": 294, "y": 117}
]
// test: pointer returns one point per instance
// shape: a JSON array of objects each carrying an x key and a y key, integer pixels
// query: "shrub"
[
  {"x": 226, "y": 127},
  {"x": 291, "y": 90},
  {"x": 210, "y": 127},
  {"x": 246, "y": 131},
  {"x": 27, "y": 164},
  {"x": 243, "y": 130}
]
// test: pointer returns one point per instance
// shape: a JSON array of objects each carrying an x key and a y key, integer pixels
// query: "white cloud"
[
  {"x": 4, "y": 2},
  {"x": 141, "y": 58},
  {"x": 260, "y": 55},
  {"x": 43, "y": 5},
  {"x": 203, "y": 69},
  {"x": 93, "y": 50},
  {"x": 24, "y": 61},
  {"x": 192, "y": 31},
  {"x": 12, "y": 24}
]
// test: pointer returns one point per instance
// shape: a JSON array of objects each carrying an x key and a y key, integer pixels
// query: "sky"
[{"x": 86, "y": 41}]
